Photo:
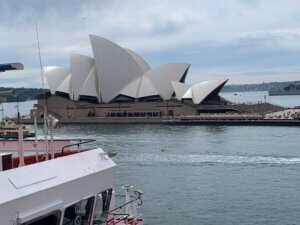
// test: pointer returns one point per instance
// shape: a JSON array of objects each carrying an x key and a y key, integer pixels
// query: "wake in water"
[{"x": 225, "y": 159}]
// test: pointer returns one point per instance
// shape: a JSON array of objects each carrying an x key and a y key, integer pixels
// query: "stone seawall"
[{"x": 240, "y": 121}]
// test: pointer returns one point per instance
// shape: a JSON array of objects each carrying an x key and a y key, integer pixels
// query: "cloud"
[{"x": 229, "y": 38}]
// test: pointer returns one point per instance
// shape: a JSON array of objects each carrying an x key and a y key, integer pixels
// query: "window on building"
[
  {"x": 171, "y": 113},
  {"x": 48, "y": 219},
  {"x": 155, "y": 114},
  {"x": 79, "y": 213},
  {"x": 102, "y": 207}
]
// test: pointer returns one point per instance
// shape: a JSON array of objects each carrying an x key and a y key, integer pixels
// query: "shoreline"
[{"x": 178, "y": 121}]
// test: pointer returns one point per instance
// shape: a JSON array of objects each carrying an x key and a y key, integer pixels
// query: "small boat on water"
[{"x": 9, "y": 130}]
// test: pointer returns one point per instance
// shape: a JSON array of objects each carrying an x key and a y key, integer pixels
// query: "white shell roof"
[
  {"x": 200, "y": 91},
  {"x": 146, "y": 88},
  {"x": 140, "y": 61},
  {"x": 115, "y": 67},
  {"x": 180, "y": 89},
  {"x": 188, "y": 94},
  {"x": 81, "y": 67},
  {"x": 89, "y": 87},
  {"x": 162, "y": 76},
  {"x": 116, "y": 70},
  {"x": 66, "y": 86},
  {"x": 131, "y": 90},
  {"x": 55, "y": 75},
  {"x": 140, "y": 87},
  {"x": 156, "y": 81}
]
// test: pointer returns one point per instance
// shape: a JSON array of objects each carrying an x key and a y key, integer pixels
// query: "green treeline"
[
  {"x": 257, "y": 87},
  {"x": 21, "y": 94}
]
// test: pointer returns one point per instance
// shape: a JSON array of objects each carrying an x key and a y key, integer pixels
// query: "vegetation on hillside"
[
  {"x": 256, "y": 87},
  {"x": 21, "y": 94}
]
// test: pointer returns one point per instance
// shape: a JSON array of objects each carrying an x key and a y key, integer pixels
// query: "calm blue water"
[{"x": 206, "y": 174}]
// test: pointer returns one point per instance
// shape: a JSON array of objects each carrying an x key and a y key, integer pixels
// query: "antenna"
[
  {"x": 44, "y": 95},
  {"x": 40, "y": 58}
]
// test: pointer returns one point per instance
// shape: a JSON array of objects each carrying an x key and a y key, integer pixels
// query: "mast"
[{"x": 44, "y": 95}]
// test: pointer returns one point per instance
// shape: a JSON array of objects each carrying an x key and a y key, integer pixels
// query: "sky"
[{"x": 247, "y": 41}]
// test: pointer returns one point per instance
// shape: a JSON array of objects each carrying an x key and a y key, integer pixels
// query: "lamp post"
[{"x": 167, "y": 110}]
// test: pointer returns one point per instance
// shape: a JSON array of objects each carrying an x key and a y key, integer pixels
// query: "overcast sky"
[{"x": 247, "y": 41}]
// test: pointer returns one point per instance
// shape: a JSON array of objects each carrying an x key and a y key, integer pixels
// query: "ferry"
[{"x": 9, "y": 130}]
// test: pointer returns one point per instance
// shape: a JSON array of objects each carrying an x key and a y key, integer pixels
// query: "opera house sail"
[{"x": 114, "y": 76}]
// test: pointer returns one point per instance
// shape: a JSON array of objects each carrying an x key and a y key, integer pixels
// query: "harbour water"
[
  {"x": 205, "y": 174},
  {"x": 10, "y": 109}
]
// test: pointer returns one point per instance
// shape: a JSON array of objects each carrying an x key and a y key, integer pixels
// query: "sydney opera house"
[{"x": 117, "y": 82}]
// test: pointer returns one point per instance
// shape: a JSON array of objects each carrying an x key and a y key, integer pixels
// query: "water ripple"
[{"x": 224, "y": 159}]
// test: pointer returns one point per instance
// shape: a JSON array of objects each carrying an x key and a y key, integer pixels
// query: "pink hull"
[{"x": 28, "y": 145}]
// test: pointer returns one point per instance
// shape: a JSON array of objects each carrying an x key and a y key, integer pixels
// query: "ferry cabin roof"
[{"x": 35, "y": 190}]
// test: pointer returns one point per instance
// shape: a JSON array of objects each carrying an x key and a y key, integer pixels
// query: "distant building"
[
  {"x": 118, "y": 82},
  {"x": 291, "y": 89}
]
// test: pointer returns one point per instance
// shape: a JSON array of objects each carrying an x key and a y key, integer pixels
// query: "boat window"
[
  {"x": 79, "y": 213},
  {"x": 102, "y": 207},
  {"x": 48, "y": 219}
]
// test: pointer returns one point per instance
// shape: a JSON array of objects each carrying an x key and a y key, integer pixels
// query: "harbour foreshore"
[{"x": 255, "y": 120}]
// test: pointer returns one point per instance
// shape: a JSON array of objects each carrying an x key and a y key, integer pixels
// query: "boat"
[
  {"x": 57, "y": 182},
  {"x": 66, "y": 185},
  {"x": 9, "y": 130}
]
